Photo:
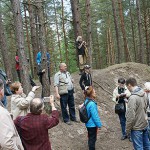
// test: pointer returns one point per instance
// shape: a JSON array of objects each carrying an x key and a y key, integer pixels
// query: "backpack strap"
[{"x": 89, "y": 100}]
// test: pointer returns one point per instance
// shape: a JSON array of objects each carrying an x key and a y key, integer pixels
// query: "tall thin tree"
[
  {"x": 141, "y": 50},
  {"x": 4, "y": 49},
  {"x": 117, "y": 31},
  {"x": 20, "y": 45},
  {"x": 89, "y": 33},
  {"x": 45, "y": 80}
]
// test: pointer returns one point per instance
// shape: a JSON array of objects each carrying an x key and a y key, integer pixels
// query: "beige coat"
[
  {"x": 9, "y": 138},
  {"x": 20, "y": 104},
  {"x": 136, "y": 116}
]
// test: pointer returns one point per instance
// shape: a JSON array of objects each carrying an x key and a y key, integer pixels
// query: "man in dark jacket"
[
  {"x": 6, "y": 82},
  {"x": 86, "y": 78},
  {"x": 33, "y": 128}
]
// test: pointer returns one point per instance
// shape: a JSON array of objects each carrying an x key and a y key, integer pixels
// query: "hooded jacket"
[
  {"x": 85, "y": 80},
  {"x": 136, "y": 117}
]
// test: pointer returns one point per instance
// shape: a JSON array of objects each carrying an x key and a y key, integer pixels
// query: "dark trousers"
[
  {"x": 31, "y": 81},
  {"x": 92, "y": 137},
  {"x": 19, "y": 76},
  {"x": 122, "y": 119},
  {"x": 67, "y": 99}
]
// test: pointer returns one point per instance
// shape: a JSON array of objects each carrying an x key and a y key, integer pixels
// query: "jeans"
[
  {"x": 122, "y": 119},
  {"x": 4, "y": 100},
  {"x": 92, "y": 137},
  {"x": 140, "y": 139},
  {"x": 149, "y": 129},
  {"x": 67, "y": 99}
]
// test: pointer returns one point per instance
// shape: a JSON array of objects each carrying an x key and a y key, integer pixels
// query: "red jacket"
[
  {"x": 17, "y": 63},
  {"x": 33, "y": 130}
]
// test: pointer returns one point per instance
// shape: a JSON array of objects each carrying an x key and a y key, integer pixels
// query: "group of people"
[
  {"x": 24, "y": 129},
  {"x": 27, "y": 128},
  {"x": 26, "y": 123},
  {"x": 133, "y": 111}
]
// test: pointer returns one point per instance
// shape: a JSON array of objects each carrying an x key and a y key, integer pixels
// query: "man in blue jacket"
[
  {"x": 41, "y": 71},
  {"x": 39, "y": 62}
]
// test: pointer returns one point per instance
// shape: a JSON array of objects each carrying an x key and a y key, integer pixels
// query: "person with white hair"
[
  {"x": 64, "y": 89},
  {"x": 33, "y": 128},
  {"x": 82, "y": 52}
]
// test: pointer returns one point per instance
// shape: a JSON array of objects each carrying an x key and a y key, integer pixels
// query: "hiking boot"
[
  {"x": 68, "y": 123},
  {"x": 130, "y": 139},
  {"x": 123, "y": 137},
  {"x": 77, "y": 121}
]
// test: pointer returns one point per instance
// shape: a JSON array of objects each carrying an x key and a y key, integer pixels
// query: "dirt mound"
[{"x": 74, "y": 137}]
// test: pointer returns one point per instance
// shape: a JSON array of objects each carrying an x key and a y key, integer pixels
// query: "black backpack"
[{"x": 83, "y": 112}]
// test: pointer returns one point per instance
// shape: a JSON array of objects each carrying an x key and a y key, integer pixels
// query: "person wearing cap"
[
  {"x": 86, "y": 78},
  {"x": 120, "y": 95},
  {"x": 82, "y": 52}
]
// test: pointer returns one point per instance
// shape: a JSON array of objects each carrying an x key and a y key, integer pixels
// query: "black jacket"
[{"x": 85, "y": 80}]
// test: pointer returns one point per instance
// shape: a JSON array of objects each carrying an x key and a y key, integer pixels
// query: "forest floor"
[{"x": 74, "y": 137}]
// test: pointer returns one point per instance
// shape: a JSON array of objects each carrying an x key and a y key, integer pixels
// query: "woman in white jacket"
[
  {"x": 120, "y": 95},
  {"x": 19, "y": 101}
]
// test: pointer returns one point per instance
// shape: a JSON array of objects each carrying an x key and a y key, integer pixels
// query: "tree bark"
[
  {"x": 126, "y": 49},
  {"x": 133, "y": 33},
  {"x": 4, "y": 50},
  {"x": 20, "y": 45},
  {"x": 146, "y": 33},
  {"x": 89, "y": 37},
  {"x": 64, "y": 33},
  {"x": 33, "y": 34},
  {"x": 141, "y": 50},
  {"x": 28, "y": 41},
  {"x": 45, "y": 86},
  {"x": 57, "y": 30},
  {"x": 118, "y": 57},
  {"x": 76, "y": 18}
]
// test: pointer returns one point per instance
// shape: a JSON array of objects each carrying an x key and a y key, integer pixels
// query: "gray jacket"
[{"x": 136, "y": 116}]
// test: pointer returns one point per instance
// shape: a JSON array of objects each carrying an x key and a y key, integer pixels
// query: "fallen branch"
[{"x": 103, "y": 88}]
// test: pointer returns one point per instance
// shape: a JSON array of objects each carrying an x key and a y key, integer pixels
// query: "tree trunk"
[
  {"x": 126, "y": 49},
  {"x": 45, "y": 86},
  {"x": 112, "y": 54},
  {"x": 20, "y": 44},
  {"x": 141, "y": 50},
  {"x": 146, "y": 33},
  {"x": 33, "y": 35},
  {"x": 64, "y": 32},
  {"x": 89, "y": 37},
  {"x": 76, "y": 18},
  {"x": 133, "y": 33},
  {"x": 117, "y": 31},
  {"x": 108, "y": 48},
  {"x": 4, "y": 50},
  {"x": 57, "y": 30},
  {"x": 28, "y": 41}
]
